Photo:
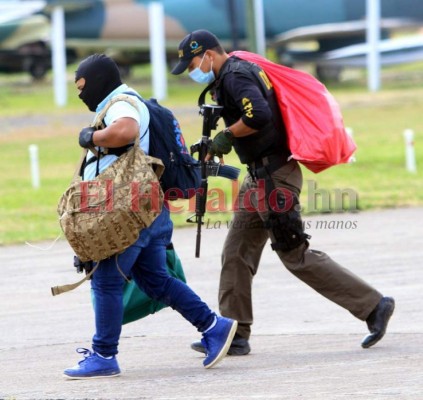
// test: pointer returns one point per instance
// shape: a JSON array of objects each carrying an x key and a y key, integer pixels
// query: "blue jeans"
[{"x": 145, "y": 262}]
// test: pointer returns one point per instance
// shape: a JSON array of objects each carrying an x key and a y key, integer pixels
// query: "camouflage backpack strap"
[
  {"x": 99, "y": 123},
  {"x": 56, "y": 290},
  {"x": 99, "y": 119}
]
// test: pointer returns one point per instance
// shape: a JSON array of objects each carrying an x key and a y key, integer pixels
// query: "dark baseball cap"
[{"x": 194, "y": 44}]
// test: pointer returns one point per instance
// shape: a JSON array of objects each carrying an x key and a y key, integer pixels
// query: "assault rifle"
[{"x": 211, "y": 114}]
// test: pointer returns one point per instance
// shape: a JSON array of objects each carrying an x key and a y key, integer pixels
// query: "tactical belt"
[
  {"x": 56, "y": 290},
  {"x": 267, "y": 165}
]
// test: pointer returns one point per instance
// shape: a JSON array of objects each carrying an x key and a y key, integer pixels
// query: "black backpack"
[{"x": 182, "y": 174}]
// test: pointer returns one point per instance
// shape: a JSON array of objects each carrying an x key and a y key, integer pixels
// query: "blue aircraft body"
[{"x": 322, "y": 32}]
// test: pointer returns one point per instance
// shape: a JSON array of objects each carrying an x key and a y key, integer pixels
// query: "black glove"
[
  {"x": 86, "y": 137},
  {"x": 82, "y": 266}
]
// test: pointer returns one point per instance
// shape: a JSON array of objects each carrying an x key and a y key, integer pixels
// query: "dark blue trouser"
[{"x": 145, "y": 262}]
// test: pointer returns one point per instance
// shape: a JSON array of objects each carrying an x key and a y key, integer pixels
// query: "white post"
[
  {"x": 59, "y": 56},
  {"x": 410, "y": 157},
  {"x": 35, "y": 170},
  {"x": 259, "y": 27},
  {"x": 157, "y": 49},
  {"x": 373, "y": 38}
]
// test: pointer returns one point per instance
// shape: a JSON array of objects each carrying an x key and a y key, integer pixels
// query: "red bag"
[{"x": 313, "y": 120}]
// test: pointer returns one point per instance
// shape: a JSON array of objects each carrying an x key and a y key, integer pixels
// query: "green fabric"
[
  {"x": 221, "y": 144},
  {"x": 136, "y": 304}
]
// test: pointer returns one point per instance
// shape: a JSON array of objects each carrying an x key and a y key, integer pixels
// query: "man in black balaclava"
[
  {"x": 96, "y": 78},
  {"x": 101, "y": 76},
  {"x": 98, "y": 83}
]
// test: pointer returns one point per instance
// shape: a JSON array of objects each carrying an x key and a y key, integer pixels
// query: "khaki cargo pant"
[{"x": 243, "y": 248}]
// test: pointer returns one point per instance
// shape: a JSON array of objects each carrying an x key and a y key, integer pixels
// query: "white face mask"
[{"x": 197, "y": 75}]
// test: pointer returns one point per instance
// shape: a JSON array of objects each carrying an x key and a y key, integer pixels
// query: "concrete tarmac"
[{"x": 303, "y": 346}]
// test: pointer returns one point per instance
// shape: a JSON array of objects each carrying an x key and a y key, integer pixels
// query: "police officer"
[
  {"x": 255, "y": 130},
  {"x": 98, "y": 81}
]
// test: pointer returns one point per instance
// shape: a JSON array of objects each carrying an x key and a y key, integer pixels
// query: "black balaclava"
[{"x": 101, "y": 76}]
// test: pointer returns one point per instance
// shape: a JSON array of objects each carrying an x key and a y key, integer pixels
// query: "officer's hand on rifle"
[
  {"x": 221, "y": 144},
  {"x": 86, "y": 137}
]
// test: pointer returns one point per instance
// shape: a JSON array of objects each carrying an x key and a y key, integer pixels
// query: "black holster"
[{"x": 284, "y": 219}]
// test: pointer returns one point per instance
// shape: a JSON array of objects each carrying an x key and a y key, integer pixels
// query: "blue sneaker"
[
  {"x": 93, "y": 366},
  {"x": 218, "y": 340}
]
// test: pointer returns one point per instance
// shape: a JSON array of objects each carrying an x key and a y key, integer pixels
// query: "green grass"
[{"x": 378, "y": 178}]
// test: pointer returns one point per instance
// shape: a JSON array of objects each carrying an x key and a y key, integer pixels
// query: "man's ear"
[{"x": 209, "y": 54}]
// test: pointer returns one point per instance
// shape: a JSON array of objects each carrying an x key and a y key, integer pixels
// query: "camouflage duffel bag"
[{"x": 104, "y": 216}]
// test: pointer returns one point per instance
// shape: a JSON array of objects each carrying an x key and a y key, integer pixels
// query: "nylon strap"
[
  {"x": 56, "y": 290},
  {"x": 202, "y": 97},
  {"x": 119, "y": 269}
]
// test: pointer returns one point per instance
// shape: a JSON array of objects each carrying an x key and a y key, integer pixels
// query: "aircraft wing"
[
  {"x": 392, "y": 51},
  {"x": 13, "y": 10},
  {"x": 339, "y": 30},
  {"x": 71, "y": 5}
]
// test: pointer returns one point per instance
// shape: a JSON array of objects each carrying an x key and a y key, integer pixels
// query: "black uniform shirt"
[
  {"x": 245, "y": 92},
  {"x": 242, "y": 97}
]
